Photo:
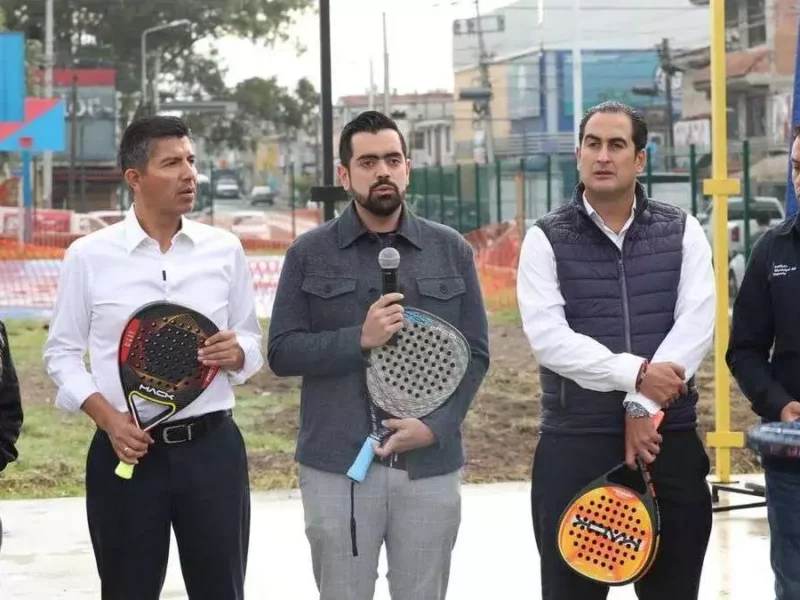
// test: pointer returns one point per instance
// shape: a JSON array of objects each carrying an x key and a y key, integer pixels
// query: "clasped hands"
[{"x": 663, "y": 383}]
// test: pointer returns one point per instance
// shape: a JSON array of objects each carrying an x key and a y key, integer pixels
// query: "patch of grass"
[
  {"x": 26, "y": 338},
  {"x": 53, "y": 445},
  {"x": 52, "y": 455},
  {"x": 506, "y": 316}
]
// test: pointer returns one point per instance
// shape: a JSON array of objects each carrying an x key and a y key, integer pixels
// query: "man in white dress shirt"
[
  {"x": 193, "y": 476},
  {"x": 616, "y": 294}
]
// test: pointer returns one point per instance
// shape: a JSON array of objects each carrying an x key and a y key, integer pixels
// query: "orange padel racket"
[{"x": 609, "y": 532}]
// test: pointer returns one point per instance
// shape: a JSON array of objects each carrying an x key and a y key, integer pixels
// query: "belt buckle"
[{"x": 168, "y": 428}]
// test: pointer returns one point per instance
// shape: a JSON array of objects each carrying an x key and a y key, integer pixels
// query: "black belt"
[
  {"x": 394, "y": 461},
  {"x": 186, "y": 430}
]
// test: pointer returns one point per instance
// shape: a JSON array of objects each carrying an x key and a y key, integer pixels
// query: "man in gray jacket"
[{"x": 328, "y": 314}]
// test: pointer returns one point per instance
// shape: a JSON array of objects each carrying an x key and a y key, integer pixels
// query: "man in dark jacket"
[
  {"x": 329, "y": 312},
  {"x": 764, "y": 358},
  {"x": 10, "y": 407},
  {"x": 616, "y": 294}
]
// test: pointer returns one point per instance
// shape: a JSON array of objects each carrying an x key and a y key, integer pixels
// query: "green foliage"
[{"x": 107, "y": 33}]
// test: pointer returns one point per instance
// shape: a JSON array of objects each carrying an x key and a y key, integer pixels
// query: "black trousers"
[
  {"x": 200, "y": 488},
  {"x": 564, "y": 464}
]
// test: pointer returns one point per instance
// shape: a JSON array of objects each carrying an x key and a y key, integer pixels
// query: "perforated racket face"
[
  {"x": 775, "y": 439},
  {"x": 158, "y": 362},
  {"x": 609, "y": 534},
  {"x": 424, "y": 368}
]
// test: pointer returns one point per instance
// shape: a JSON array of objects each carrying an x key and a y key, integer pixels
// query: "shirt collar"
[
  {"x": 351, "y": 227},
  {"x": 591, "y": 211},
  {"x": 135, "y": 235}
]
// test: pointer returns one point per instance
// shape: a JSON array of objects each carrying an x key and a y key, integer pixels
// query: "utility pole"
[
  {"x": 371, "y": 94},
  {"x": 386, "y": 105},
  {"x": 665, "y": 59},
  {"x": 47, "y": 164},
  {"x": 486, "y": 84},
  {"x": 577, "y": 73}
]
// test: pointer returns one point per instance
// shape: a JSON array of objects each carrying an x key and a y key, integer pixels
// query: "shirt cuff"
[
  {"x": 74, "y": 392},
  {"x": 643, "y": 401},
  {"x": 253, "y": 360},
  {"x": 627, "y": 372}
]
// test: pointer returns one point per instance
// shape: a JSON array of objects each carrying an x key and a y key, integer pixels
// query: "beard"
[{"x": 381, "y": 204}]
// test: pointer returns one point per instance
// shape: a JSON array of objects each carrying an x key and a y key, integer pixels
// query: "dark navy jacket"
[
  {"x": 624, "y": 300},
  {"x": 764, "y": 348}
]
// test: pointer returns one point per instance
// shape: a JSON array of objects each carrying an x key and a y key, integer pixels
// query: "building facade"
[{"x": 425, "y": 119}]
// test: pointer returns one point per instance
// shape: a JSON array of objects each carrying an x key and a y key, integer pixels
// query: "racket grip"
[
  {"x": 360, "y": 467},
  {"x": 124, "y": 470}
]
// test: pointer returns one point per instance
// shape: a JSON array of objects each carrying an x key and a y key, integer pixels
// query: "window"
[
  {"x": 756, "y": 24},
  {"x": 756, "y": 116}
]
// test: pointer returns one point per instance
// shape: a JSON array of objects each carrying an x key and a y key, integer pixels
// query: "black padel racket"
[
  {"x": 412, "y": 376},
  {"x": 781, "y": 440},
  {"x": 158, "y": 364}
]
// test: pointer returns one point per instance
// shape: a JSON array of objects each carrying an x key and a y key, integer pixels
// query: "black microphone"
[{"x": 389, "y": 260}]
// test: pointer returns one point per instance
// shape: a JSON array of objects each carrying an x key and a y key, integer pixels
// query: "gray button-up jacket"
[{"x": 329, "y": 279}]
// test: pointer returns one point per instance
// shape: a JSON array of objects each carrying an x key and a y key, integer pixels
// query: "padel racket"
[
  {"x": 411, "y": 377},
  {"x": 158, "y": 364},
  {"x": 609, "y": 532},
  {"x": 781, "y": 440}
]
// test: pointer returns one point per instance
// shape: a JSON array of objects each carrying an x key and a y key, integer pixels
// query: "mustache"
[{"x": 382, "y": 183}]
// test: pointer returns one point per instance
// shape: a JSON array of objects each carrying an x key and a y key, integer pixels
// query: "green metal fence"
[{"x": 470, "y": 196}]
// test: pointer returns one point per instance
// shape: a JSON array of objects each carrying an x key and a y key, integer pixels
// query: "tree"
[
  {"x": 263, "y": 108},
  {"x": 97, "y": 33}
]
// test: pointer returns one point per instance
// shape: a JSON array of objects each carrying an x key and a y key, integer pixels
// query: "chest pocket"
[
  {"x": 442, "y": 296},
  {"x": 332, "y": 301}
]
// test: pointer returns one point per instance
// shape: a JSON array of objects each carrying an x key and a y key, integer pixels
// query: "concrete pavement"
[{"x": 46, "y": 553}]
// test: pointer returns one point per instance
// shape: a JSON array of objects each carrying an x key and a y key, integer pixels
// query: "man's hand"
[
  {"x": 664, "y": 383},
  {"x": 409, "y": 434},
  {"x": 641, "y": 439},
  {"x": 791, "y": 412},
  {"x": 222, "y": 350},
  {"x": 384, "y": 319},
  {"x": 129, "y": 442}
]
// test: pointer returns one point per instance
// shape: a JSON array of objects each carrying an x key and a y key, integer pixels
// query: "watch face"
[{"x": 636, "y": 410}]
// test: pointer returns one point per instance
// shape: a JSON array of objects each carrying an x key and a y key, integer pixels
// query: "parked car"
[
  {"x": 227, "y": 189},
  {"x": 768, "y": 206},
  {"x": 262, "y": 194}
]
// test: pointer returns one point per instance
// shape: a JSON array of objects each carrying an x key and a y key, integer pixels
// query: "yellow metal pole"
[{"x": 720, "y": 187}]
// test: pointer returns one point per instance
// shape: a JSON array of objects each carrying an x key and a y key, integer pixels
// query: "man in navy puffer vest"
[{"x": 616, "y": 293}]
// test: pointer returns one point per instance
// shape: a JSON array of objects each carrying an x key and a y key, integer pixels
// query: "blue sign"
[
  {"x": 791, "y": 198},
  {"x": 12, "y": 76}
]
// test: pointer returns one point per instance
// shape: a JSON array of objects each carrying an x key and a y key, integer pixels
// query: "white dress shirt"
[
  {"x": 589, "y": 363},
  {"x": 108, "y": 274}
]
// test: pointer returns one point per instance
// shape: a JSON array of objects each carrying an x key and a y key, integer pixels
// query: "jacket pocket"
[
  {"x": 332, "y": 301},
  {"x": 442, "y": 296}
]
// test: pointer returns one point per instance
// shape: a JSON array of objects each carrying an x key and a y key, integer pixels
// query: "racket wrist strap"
[{"x": 642, "y": 374}]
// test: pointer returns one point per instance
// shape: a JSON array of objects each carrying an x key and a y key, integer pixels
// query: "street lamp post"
[{"x": 170, "y": 25}]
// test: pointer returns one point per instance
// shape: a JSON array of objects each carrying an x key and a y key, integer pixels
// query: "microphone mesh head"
[{"x": 389, "y": 258}]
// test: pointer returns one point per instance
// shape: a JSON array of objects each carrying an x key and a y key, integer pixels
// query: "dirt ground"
[
  {"x": 500, "y": 433},
  {"x": 502, "y": 428}
]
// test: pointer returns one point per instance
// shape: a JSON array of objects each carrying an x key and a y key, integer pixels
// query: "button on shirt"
[
  {"x": 109, "y": 274},
  {"x": 586, "y": 361}
]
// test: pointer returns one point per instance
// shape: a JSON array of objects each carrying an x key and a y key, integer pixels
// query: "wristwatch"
[{"x": 636, "y": 410}]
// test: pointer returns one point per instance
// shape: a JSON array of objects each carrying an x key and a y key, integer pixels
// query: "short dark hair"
[
  {"x": 370, "y": 121},
  {"x": 136, "y": 144},
  {"x": 638, "y": 123}
]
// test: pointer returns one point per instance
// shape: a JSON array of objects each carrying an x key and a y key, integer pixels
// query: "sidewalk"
[{"x": 47, "y": 555}]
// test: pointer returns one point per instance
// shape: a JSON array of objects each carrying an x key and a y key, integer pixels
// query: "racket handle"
[
  {"x": 124, "y": 470},
  {"x": 360, "y": 467}
]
